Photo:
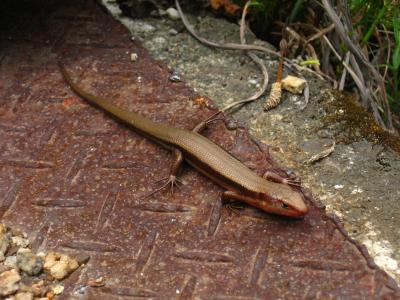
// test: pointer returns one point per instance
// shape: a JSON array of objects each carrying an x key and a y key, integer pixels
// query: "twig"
[
  {"x": 256, "y": 59},
  {"x": 356, "y": 79},
  {"x": 320, "y": 33},
  {"x": 343, "y": 79},
  {"x": 322, "y": 154},
  {"x": 310, "y": 49},
  {"x": 364, "y": 90}
]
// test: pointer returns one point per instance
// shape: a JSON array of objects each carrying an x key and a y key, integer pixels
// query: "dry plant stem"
[
  {"x": 358, "y": 72},
  {"x": 310, "y": 49},
  {"x": 363, "y": 89},
  {"x": 344, "y": 74},
  {"x": 256, "y": 59},
  {"x": 388, "y": 49},
  {"x": 320, "y": 33},
  {"x": 375, "y": 76},
  {"x": 356, "y": 79}
]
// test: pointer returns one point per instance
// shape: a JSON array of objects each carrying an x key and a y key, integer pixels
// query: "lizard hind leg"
[{"x": 171, "y": 180}]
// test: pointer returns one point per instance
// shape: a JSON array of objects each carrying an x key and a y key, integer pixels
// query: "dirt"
[{"x": 358, "y": 181}]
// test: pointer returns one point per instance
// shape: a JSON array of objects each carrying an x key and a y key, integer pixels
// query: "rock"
[
  {"x": 4, "y": 241},
  {"x": 38, "y": 288},
  {"x": 293, "y": 84},
  {"x": 173, "y": 14},
  {"x": 9, "y": 282},
  {"x": 82, "y": 258},
  {"x": 50, "y": 295},
  {"x": 159, "y": 40},
  {"x": 100, "y": 281},
  {"x": 24, "y": 296},
  {"x": 59, "y": 265},
  {"x": 161, "y": 12},
  {"x": 20, "y": 241},
  {"x": 173, "y": 31},
  {"x": 148, "y": 28},
  {"x": 58, "y": 289},
  {"x": 29, "y": 262},
  {"x": 11, "y": 261},
  {"x": 4, "y": 268},
  {"x": 134, "y": 56}
]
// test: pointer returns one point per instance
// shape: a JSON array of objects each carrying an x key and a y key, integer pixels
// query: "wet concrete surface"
[{"x": 74, "y": 179}]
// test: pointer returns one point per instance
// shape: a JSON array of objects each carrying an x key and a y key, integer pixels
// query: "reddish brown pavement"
[{"x": 73, "y": 178}]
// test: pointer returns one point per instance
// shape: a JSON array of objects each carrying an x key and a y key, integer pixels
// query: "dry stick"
[
  {"x": 363, "y": 89},
  {"x": 312, "y": 52},
  {"x": 389, "y": 52},
  {"x": 320, "y": 32},
  {"x": 359, "y": 55},
  {"x": 344, "y": 74},
  {"x": 356, "y": 79},
  {"x": 357, "y": 69},
  {"x": 356, "y": 52},
  {"x": 235, "y": 46},
  {"x": 308, "y": 46},
  {"x": 256, "y": 59}
]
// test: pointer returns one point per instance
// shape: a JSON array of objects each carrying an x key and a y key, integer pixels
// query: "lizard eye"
[{"x": 285, "y": 206}]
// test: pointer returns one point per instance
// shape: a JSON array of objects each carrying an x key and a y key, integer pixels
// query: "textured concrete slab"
[{"x": 74, "y": 178}]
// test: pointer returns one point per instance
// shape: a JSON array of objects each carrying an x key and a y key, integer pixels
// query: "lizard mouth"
[{"x": 279, "y": 207}]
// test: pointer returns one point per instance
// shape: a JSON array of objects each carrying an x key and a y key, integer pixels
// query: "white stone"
[
  {"x": 293, "y": 84},
  {"x": 173, "y": 14}
]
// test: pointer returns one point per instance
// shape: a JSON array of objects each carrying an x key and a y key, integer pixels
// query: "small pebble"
[
  {"x": 29, "y": 262},
  {"x": 82, "y": 258},
  {"x": 253, "y": 81},
  {"x": 59, "y": 265},
  {"x": 159, "y": 42},
  {"x": 173, "y": 14},
  {"x": 161, "y": 12},
  {"x": 4, "y": 241},
  {"x": 58, "y": 289},
  {"x": 97, "y": 282},
  {"x": 11, "y": 261},
  {"x": 134, "y": 56},
  {"x": 148, "y": 28},
  {"x": 293, "y": 84},
  {"x": 38, "y": 288},
  {"x": 24, "y": 296},
  {"x": 20, "y": 241},
  {"x": 9, "y": 282},
  {"x": 173, "y": 31},
  {"x": 175, "y": 77}
]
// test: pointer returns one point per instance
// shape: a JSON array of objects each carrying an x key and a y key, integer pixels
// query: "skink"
[{"x": 208, "y": 158}]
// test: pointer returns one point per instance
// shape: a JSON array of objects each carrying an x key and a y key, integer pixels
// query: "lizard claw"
[
  {"x": 171, "y": 181},
  {"x": 272, "y": 176}
]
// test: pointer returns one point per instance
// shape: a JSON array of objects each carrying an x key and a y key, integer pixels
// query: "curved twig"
[{"x": 256, "y": 59}]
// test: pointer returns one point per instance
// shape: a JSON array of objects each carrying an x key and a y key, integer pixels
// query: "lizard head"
[{"x": 283, "y": 201}]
